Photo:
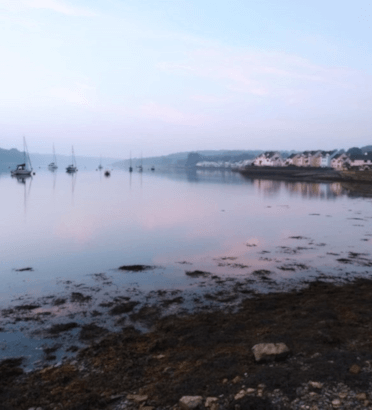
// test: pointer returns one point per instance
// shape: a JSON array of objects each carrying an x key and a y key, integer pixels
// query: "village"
[{"x": 336, "y": 159}]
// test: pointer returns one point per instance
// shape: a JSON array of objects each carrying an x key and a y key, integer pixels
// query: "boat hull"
[{"x": 20, "y": 172}]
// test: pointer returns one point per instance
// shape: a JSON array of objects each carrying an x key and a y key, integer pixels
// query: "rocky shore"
[{"x": 304, "y": 349}]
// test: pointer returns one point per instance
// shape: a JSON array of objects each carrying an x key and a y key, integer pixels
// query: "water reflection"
[{"x": 24, "y": 180}]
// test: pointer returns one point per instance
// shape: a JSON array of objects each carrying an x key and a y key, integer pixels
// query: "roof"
[{"x": 366, "y": 156}]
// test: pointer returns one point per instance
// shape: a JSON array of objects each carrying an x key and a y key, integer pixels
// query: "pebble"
[
  {"x": 361, "y": 396},
  {"x": 336, "y": 403},
  {"x": 240, "y": 395},
  {"x": 190, "y": 402},
  {"x": 355, "y": 369}
]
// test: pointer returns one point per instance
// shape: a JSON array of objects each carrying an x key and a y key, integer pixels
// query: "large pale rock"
[
  {"x": 190, "y": 402},
  {"x": 270, "y": 351}
]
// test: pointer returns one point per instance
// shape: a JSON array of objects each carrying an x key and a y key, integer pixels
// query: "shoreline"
[{"x": 326, "y": 327}]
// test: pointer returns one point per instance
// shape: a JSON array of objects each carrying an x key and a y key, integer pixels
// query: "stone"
[
  {"x": 138, "y": 398},
  {"x": 225, "y": 381},
  {"x": 210, "y": 400},
  {"x": 190, "y": 402},
  {"x": 355, "y": 369},
  {"x": 366, "y": 403},
  {"x": 270, "y": 351},
  {"x": 236, "y": 379},
  {"x": 240, "y": 395},
  {"x": 316, "y": 385},
  {"x": 159, "y": 356},
  {"x": 250, "y": 390},
  {"x": 361, "y": 396},
  {"x": 342, "y": 395},
  {"x": 336, "y": 403}
]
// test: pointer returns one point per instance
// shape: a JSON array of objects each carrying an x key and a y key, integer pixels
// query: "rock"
[
  {"x": 355, "y": 369},
  {"x": 190, "y": 402},
  {"x": 159, "y": 356},
  {"x": 138, "y": 398},
  {"x": 366, "y": 403},
  {"x": 361, "y": 396},
  {"x": 342, "y": 395},
  {"x": 236, "y": 379},
  {"x": 240, "y": 395},
  {"x": 250, "y": 390},
  {"x": 225, "y": 381},
  {"x": 210, "y": 400},
  {"x": 316, "y": 385},
  {"x": 270, "y": 351},
  {"x": 336, "y": 403}
]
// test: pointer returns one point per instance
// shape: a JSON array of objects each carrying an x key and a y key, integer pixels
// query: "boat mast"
[
  {"x": 54, "y": 156},
  {"x": 73, "y": 157},
  {"x": 27, "y": 155}
]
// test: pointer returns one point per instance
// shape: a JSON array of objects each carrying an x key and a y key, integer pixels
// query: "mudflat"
[{"x": 326, "y": 327}]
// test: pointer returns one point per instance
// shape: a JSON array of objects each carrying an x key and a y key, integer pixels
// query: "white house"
[
  {"x": 269, "y": 159},
  {"x": 326, "y": 157}
]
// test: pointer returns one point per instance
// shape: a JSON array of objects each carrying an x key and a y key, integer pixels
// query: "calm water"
[
  {"x": 70, "y": 227},
  {"x": 75, "y": 231}
]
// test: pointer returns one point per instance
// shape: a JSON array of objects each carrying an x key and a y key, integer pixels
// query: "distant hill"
[
  {"x": 180, "y": 159},
  {"x": 10, "y": 157}
]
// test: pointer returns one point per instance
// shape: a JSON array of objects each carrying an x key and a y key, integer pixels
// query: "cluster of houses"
[
  {"x": 335, "y": 159},
  {"x": 316, "y": 159}
]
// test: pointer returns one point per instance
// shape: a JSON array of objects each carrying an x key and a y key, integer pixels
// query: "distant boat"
[
  {"x": 24, "y": 169},
  {"x": 72, "y": 168},
  {"x": 100, "y": 164},
  {"x": 53, "y": 165},
  {"x": 152, "y": 168},
  {"x": 130, "y": 163},
  {"x": 107, "y": 173},
  {"x": 140, "y": 167}
]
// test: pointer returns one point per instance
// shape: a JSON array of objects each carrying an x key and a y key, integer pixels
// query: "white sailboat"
[
  {"x": 24, "y": 169},
  {"x": 73, "y": 167},
  {"x": 53, "y": 165}
]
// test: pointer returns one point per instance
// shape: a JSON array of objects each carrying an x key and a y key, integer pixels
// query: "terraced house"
[{"x": 269, "y": 159}]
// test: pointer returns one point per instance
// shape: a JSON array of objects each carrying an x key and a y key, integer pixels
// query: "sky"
[{"x": 161, "y": 76}]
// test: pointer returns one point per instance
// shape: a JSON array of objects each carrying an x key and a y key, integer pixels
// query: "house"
[
  {"x": 326, "y": 157},
  {"x": 360, "y": 161},
  {"x": 291, "y": 160},
  {"x": 340, "y": 161},
  {"x": 311, "y": 158},
  {"x": 269, "y": 159}
]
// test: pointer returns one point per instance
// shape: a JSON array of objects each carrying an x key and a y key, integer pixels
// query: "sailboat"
[
  {"x": 72, "y": 168},
  {"x": 100, "y": 163},
  {"x": 23, "y": 169},
  {"x": 130, "y": 163},
  {"x": 53, "y": 165},
  {"x": 140, "y": 167}
]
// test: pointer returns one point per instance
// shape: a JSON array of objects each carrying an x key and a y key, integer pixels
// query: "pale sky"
[{"x": 162, "y": 76}]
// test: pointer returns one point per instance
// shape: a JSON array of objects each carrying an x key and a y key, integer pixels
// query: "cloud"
[{"x": 57, "y": 6}]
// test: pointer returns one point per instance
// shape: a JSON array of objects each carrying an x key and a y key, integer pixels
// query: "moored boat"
[
  {"x": 72, "y": 168},
  {"x": 24, "y": 169}
]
